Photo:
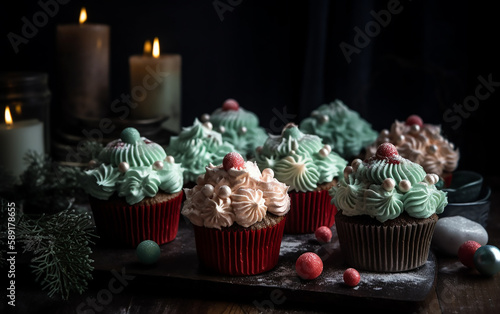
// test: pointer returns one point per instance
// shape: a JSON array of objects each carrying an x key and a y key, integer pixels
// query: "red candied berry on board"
[
  {"x": 351, "y": 277},
  {"x": 323, "y": 234},
  {"x": 386, "y": 150},
  {"x": 233, "y": 160},
  {"x": 230, "y": 104},
  {"x": 414, "y": 119},
  {"x": 466, "y": 252},
  {"x": 309, "y": 266}
]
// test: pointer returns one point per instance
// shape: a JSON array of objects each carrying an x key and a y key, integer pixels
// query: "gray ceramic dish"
[
  {"x": 477, "y": 210},
  {"x": 465, "y": 187}
]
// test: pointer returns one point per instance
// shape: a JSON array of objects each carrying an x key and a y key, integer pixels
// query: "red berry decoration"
[
  {"x": 386, "y": 150},
  {"x": 230, "y": 104},
  {"x": 309, "y": 266},
  {"x": 233, "y": 160},
  {"x": 466, "y": 253},
  {"x": 323, "y": 234},
  {"x": 414, "y": 119},
  {"x": 351, "y": 277}
]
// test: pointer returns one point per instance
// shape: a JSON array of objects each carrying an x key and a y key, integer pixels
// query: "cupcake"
[
  {"x": 238, "y": 127},
  {"x": 310, "y": 168},
  {"x": 387, "y": 208},
  {"x": 238, "y": 215},
  {"x": 135, "y": 192},
  {"x": 423, "y": 144},
  {"x": 196, "y": 147},
  {"x": 341, "y": 128}
]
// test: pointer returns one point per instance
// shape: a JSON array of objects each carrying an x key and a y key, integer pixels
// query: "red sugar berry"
[
  {"x": 230, "y": 104},
  {"x": 414, "y": 119},
  {"x": 386, "y": 150},
  {"x": 351, "y": 277},
  {"x": 323, "y": 234},
  {"x": 309, "y": 266},
  {"x": 466, "y": 252},
  {"x": 233, "y": 160}
]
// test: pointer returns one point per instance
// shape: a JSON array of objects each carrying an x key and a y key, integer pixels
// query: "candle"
[
  {"x": 16, "y": 139},
  {"x": 155, "y": 82},
  {"x": 83, "y": 67}
]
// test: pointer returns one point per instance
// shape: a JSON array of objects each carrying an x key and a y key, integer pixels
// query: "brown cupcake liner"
[
  {"x": 380, "y": 248},
  {"x": 309, "y": 211},
  {"x": 120, "y": 225},
  {"x": 239, "y": 252}
]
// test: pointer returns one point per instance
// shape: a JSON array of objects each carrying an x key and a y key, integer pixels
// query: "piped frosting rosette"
[
  {"x": 385, "y": 186},
  {"x": 420, "y": 143},
  {"x": 238, "y": 126},
  {"x": 300, "y": 160},
  {"x": 134, "y": 168},
  {"x": 196, "y": 147},
  {"x": 235, "y": 193},
  {"x": 341, "y": 128}
]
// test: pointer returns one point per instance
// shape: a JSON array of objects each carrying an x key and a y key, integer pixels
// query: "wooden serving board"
[{"x": 179, "y": 264}]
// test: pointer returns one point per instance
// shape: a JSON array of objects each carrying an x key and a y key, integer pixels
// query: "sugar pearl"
[
  {"x": 388, "y": 184},
  {"x": 208, "y": 125},
  {"x": 323, "y": 118},
  {"x": 347, "y": 171},
  {"x": 222, "y": 129},
  {"x": 432, "y": 149},
  {"x": 268, "y": 172},
  {"x": 400, "y": 139},
  {"x": 355, "y": 164},
  {"x": 384, "y": 133},
  {"x": 205, "y": 117},
  {"x": 208, "y": 190},
  {"x": 158, "y": 165},
  {"x": 431, "y": 178},
  {"x": 328, "y": 148},
  {"x": 323, "y": 152},
  {"x": 92, "y": 164},
  {"x": 415, "y": 128},
  {"x": 404, "y": 186},
  {"x": 170, "y": 159},
  {"x": 123, "y": 167},
  {"x": 224, "y": 191},
  {"x": 243, "y": 130}
]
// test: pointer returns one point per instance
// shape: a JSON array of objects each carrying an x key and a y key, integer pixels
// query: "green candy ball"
[
  {"x": 148, "y": 252},
  {"x": 130, "y": 135}
]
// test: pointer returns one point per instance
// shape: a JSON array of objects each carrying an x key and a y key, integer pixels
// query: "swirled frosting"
[
  {"x": 420, "y": 143},
  {"x": 341, "y": 128},
  {"x": 134, "y": 168},
  {"x": 239, "y": 127},
  {"x": 196, "y": 147},
  {"x": 243, "y": 196},
  {"x": 385, "y": 185},
  {"x": 299, "y": 160}
]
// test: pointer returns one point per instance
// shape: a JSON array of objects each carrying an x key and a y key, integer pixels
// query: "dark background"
[{"x": 284, "y": 56}]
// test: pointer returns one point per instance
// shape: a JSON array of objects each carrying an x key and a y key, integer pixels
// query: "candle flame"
[
  {"x": 8, "y": 116},
  {"x": 83, "y": 15},
  {"x": 147, "y": 47},
  {"x": 156, "y": 48}
]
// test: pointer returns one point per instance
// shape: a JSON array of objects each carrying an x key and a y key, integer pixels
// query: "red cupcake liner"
[
  {"x": 239, "y": 252},
  {"x": 309, "y": 211},
  {"x": 127, "y": 226}
]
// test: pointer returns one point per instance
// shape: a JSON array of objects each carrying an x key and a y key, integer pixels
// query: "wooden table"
[{"x": 455, "y": 290}]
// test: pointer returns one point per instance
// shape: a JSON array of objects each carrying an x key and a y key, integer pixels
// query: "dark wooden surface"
[{"x": 455, "y": 289}]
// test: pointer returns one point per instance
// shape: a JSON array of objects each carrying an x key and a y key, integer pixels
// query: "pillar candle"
[
  {"x": 83, "y": 68},
  {"x": 16, "y": 140},
  {"x": 155, "y": 84}
]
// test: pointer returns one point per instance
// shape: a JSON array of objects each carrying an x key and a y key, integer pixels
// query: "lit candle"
[
  {"x": 155, "y": 82},
  {"x": 16, "y": 139},
  {"x": 83, "y": 65}
]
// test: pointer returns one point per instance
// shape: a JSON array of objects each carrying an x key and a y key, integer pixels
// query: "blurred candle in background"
[
  {"x": 155, "y": 84},
  {"x": 16, "y": 139},
  {"x": 83, "y": 68}
]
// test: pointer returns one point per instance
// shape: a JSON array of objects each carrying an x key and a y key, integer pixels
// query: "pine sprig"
[{"x": 59, "y": 243}]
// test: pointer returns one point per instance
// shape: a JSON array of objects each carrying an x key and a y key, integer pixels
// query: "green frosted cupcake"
[
  {"x": 387, "y": 208},
  {"x": 238, "y": 126},
  {"x": 196, "y": 147},
  {"x": 341, "y": 128},
  {"x": 310, "y": 168},
  {"x": 135, "y": 191}
]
